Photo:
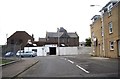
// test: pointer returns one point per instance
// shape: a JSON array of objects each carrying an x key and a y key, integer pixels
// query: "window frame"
[
  {"x": 111, "y": 45},
  {"x": 110, "y": 10},
  {"x": 110, "y": 27}
]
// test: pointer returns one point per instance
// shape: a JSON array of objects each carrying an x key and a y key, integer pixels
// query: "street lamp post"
[{"x": 95, "y": 5}]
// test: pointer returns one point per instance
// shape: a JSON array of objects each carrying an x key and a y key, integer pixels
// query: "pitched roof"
[
  {"x": 42, "y": 39},
  {"x": 112, "y": 1},
  {"x": 95, "y": 17},
  {"x": 62, "y": 29},
  {"x": 73, "y": 35},
  {"x": 61, "y": 33},
  {"x": 20, "y": 33},
  {"x": 55, "y": 34}
]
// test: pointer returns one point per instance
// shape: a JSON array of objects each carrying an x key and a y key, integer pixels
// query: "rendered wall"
[
  {"x": 67, "y": 51},
  {"x": 42, "y": 51}
]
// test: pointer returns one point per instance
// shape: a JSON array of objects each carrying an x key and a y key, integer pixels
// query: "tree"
[{"x": 88, "y": 42}]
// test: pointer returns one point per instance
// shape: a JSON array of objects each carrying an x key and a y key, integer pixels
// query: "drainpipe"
[{"x": 102, "y": 17}]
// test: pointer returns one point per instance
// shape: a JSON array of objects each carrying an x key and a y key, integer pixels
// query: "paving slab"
[{"x": 16, "y": 68}]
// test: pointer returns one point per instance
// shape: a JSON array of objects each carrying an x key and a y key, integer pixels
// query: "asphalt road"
[
  {"x": 97, "y": 66},
  {"x": 71, "y": 66},
  {"x": 53, "y": 66}
]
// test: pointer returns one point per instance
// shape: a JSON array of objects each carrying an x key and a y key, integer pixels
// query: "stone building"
[{"x": 105, "y": 31}]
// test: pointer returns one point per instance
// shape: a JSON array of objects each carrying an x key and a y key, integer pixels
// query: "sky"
[{"x": 40, "y": 16}]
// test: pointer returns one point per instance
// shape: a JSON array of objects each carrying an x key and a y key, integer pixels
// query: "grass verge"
[{"x": 4, "y": 61}]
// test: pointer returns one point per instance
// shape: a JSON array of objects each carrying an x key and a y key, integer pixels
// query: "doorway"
[
  {"x": 119, "y": 47},
  {"x": 100, "y": 50},
  {"x": 52, "y": 50}
]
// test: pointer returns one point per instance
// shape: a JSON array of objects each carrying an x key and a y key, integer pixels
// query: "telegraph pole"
[{"x": 58, "y": 42}]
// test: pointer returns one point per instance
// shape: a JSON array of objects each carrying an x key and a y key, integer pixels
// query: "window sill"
[
  {"x": 110, "y": 33},
  {"x": 111, "y": 49}
]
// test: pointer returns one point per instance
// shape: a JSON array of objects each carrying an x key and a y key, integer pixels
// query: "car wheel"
[{"x": 22, "y": 56}]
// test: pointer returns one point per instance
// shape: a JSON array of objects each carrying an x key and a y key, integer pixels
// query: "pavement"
[{"x": 12, "y": 70}]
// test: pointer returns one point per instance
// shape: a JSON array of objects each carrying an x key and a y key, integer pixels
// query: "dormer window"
[
  {"x": 95, "y": 18},
  {"x": 109, "y": 9},
  {"x": 105, "y": 10}
]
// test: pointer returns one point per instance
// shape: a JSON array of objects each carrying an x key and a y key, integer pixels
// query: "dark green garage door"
[{"x": 52, "y": 50}]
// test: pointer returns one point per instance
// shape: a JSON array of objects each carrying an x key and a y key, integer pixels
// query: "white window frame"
[
  {"x": 111, "y": 45},
  {"x": 110, "y": 27},
  {"x": 110, "y": 9},
  {"x": 109, "y": 13}
]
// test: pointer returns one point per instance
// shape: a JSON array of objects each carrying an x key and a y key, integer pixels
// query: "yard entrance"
[{"x": 52, "y": 50}]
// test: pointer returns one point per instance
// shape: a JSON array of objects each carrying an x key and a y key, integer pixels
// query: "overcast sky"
[{"x": 38, "y": 16}]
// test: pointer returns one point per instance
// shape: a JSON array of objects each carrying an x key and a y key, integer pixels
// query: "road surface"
[
  {"x": 53, "y": 66},
  {"x": 60, "y": 66}
]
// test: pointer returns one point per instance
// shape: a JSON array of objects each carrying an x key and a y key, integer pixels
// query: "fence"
[{"x": 9, "y": 48}]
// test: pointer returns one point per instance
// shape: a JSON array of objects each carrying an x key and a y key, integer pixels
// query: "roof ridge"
[{"x": 19, "y": 32}]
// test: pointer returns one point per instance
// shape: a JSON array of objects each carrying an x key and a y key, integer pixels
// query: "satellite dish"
[{"x": 95, "y": 39}]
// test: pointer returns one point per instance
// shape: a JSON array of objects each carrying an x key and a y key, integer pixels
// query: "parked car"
[
  {"x": 9, "y": 54},
  {"x": 26, "y": 54},
  {"x": 19, "y": 53}
]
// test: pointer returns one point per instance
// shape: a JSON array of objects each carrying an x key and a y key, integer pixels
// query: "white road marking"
[
  {"x": 77, "y": 65},
  {"x": 71, "y": 61},
  {"x": 82, "y": 69},
  {"x": 65, "y": 58}
]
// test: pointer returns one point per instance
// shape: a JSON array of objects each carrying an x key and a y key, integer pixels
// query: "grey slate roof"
[
  {"x": 42, "y": 39},
  {"x": 62, "y": 33},
  {"x": 55, "y": 34},
  {"x": 112, "y": 1},
  {"x": 62, "y": 29},
  {"x": 73, "y": 35}
]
